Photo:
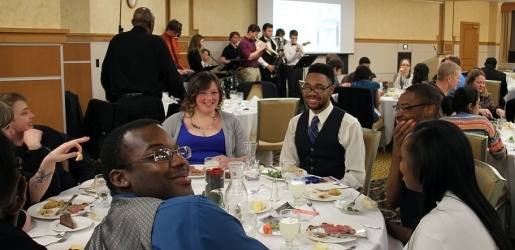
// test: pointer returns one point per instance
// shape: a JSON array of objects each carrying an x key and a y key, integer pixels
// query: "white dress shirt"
[
  {"x": 291, "y": 55},
  {"x": 350, "y": 137},
  {"x": 269, "y": 44}
]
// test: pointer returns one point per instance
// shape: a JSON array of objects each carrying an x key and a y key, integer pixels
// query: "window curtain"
[{"x": 504, "y": 47}]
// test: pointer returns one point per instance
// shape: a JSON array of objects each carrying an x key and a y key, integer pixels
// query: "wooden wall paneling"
[
  {"x": 183, "y": 52},
  {"x": 30, "y": 61},
  {"x": 77, "y": 79},
  {"x": 76, "y": 52},
  {"x": 45, "y": 100}
]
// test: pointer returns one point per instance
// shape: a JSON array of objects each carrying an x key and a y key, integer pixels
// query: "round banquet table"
[
  {"x": 388, "y": 114},
  {"x": 377, "y": 238}
]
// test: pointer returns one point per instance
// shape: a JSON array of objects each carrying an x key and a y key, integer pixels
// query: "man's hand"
[
  {"x": 500, "y": 113},
  {"x": 271, "y": 67},
  {"x": 486, "y": 113},
  {"x": 400, "y": 132},
  {"x": 32, "y": 138}
]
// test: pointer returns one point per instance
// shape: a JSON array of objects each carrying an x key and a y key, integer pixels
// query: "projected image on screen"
[{"x": 318, "y": 23}]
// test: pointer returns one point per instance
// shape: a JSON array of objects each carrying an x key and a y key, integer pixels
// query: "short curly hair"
[{"x": 200, "y": 82}]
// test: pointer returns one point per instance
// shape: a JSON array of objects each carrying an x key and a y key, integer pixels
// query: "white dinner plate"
[
  {"x": 80, "y": 223},
  {"x": 265, "y": 171},
  {"x": 89, "y": 185},
  {"x": 199, "y": 167},
  {"x": 275, "y": 232},
  {"x": 330, "y": 247},
  {"x": 267, "y": 206},
  {"x": 313, "y": 193},
  {"x": 36, "y": 209},
  {"x": 360, "y": 230},
  {"x": 358, "y": 208}
]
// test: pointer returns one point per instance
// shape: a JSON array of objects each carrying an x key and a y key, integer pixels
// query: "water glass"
[
  {"x": 210, "y": 162},
  {"x": 248, "y": 222},
  {"x": 251, "y": 176},
  {"x": 239, "y": 98},
  {"x": 297, "y": 187},
  {"x": 101, "y": 190},
  {"x": 288, "y": 171},
  {"x": 232, "y": 98},
  {"x": 501, "y": 124},
  {"x": 289, "y": 225}
]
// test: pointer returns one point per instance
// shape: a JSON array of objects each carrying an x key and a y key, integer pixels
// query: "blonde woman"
[{"x": 477, "y": 79}]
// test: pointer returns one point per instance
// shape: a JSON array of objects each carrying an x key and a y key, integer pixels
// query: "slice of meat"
[{"x": 67, "y": 221}]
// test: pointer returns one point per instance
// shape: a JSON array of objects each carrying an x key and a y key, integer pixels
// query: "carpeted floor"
[{"x": 377, "y": 186}]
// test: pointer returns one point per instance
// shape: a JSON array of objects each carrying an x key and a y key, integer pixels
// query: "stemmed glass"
[
  {"x": 297, "y": 187},
  {"x": 288, "y": 170},
  {"x": 102, "y": 190},
  {"x": 289, "y": 225}
]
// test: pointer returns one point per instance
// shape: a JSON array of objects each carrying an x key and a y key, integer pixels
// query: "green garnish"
[
  {"x": 274, "y": 174},
  {"x": 351, "y": 209},
  {"x": 512, "y": 139}
]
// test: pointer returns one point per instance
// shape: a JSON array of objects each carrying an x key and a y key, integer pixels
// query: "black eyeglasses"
[
  {"x": 403, "y": 109},
  {"x": 317, "y": 89},
  {"x": 161, "y": 155}
]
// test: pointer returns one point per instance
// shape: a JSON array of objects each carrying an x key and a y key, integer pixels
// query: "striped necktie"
[{"x": 313, "y": 129}]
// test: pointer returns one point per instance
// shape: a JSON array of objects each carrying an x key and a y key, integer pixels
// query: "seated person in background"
[
  {"x": 437, "y": 161},
  {"x": 205, "y": 57},
  {"x": 194, "y": 54},
  {"x": 362, "y": 77},
  {"x": 476, "y": 79},
  {"x": 418, "y": 103},
  {"x": 230, "y": 51},
  {"x": 364, "y": 61},
  {"x": 331, "y": 56},
  {"x": 492, "y": 74},
  {"x": 13, "y": 188},
  {"x": 465, "y": 103},
  {"x": 33, "y": 143},
  {"x": 325, "y": 140},
  {"x": 403, "y": 79},
  {"x": 461, "y": 82},
  {"x": 153, "y": 204},
  {"x": 6, "y": 117},
  {"x": 202, "y": 126},
  {"x": 337, "y": 65},
  {"x": 420, "y": 73}
]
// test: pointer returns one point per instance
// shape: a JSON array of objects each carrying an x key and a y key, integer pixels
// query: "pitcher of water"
[{"x": 236, "y": 194}]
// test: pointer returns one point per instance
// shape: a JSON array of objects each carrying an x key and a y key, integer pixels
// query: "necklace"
[{"x": 208, "y": 128}]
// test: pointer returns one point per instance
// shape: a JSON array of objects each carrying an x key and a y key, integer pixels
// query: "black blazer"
[{"x": 492, "y": 74}]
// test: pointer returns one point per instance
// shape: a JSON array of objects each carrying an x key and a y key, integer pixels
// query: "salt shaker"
[{"x": 274, "y": 196}]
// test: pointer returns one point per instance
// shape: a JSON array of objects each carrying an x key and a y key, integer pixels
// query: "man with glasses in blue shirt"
[
  {"x": 420, "y": 102},
  {"x": 325, "y": 140},
  {"x": 153, "y": 203}
]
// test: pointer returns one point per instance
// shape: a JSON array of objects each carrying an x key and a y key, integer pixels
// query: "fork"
[{"x": 61, "y": 240}]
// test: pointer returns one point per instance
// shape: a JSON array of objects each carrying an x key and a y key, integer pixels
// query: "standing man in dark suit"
[
  {"x": 493, "y": 74},
  {"x": 267, "y": 62},
  {"x": 137, "y": 69}
]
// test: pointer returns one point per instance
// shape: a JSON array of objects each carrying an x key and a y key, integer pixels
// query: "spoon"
[
  {"x": 59, "y": 235},
  {"x": 354, "y": 201},
  {"x": 310, "y": 204}
]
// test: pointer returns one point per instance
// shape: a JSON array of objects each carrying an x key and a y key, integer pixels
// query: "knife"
[{"x": 69, "y": 202}]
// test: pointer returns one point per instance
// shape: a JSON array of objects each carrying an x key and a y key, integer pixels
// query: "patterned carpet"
[{"x": 377, "y": 186}]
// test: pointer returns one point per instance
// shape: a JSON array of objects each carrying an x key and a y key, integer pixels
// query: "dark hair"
[
  {"x": 199, "y": 82},
  {"x": 445, "y": 163},
  {"x": 420, "y": 73},
  {"x": 205, "y": 50},
  {"x": 462, "y": 98},
  {"x": 267, "y": 25},
  {"x": 174, "y": 25},
  {"x": 115, "y": 148},
  {"x": 323, "y": 69},
  {"x": 294, "y": 33},
  {"x": 253, "y": 28},
  {"x": 233, "y": 33},
  {"x": 362, "y": 73},
  {"x": 454, "y": 59},
  {"x": 195, "y": 42},
  {"x": 491, "y": 61},
  {"x": 427, "y": 93},
  {"x": 364, "y": 60},
  {"x": 8, "y": 181},
  {"x": 280, "y": 32},
  {"x": 336, "y": 63},
  {"x": 330, "y": 56}
]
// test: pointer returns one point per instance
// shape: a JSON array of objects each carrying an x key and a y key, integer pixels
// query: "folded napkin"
[{"x": 253, "y": 102}]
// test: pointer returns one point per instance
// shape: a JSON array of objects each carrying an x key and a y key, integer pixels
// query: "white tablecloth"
[
  {"x": 388, "y": 114},
  {"x": 377, "y": 239},
  {"x": 506, "y": 168}
]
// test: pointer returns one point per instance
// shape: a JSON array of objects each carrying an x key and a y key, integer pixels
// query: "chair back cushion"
[
  {"x": 490, "y": 181},
  {"x": 371, "y": 139},
  {"x": 274, "y": 114},
  {"x": 358, "y": 103},
  {"x": 479, "y": 144},
  {"x": 494, "y": 88}
]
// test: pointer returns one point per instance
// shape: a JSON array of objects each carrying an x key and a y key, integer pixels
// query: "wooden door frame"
[{"x": 462, "y": 42}]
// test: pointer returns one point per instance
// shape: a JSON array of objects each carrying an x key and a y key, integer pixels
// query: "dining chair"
[
  {"x": 273, "y": 117},
  {"x": 371, "y": 139},
  {"x": 479, "y": 144},
  {"x": 358, "y": 103},
  {"x": 494, "y": 88},
  {"x": 261, "y": 89},
  {"x": 255, "y": 90},
  {"x": 493, "y": 187}
]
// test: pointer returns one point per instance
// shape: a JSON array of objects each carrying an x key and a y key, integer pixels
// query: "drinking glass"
[
  {"x": 210, "y": 162},
  {"x": 251, "y": 176},
  {"x": 289, "y": 225},
  {"x": 297, "y": 187},
  {"x": 248, "y": 222},
  {"x": 501, "y": 124},
  {"x": 239, "y": 98},
  {"x": 288, "y": 170},
  {"x": 102, "y": 190}
]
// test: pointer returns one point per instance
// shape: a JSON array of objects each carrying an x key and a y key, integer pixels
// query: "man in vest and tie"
[{"x": 325, "y": 140}]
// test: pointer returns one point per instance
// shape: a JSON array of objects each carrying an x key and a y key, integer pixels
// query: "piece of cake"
[
  {"x": 67, "y": 221},
  {"x": 258, "y": 206},
  {"x": 320, "y": 246},
  {"x": 76, "y": 247}
]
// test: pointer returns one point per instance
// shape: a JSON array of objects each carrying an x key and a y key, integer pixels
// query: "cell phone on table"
[{"x": 328, "y": 179}]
